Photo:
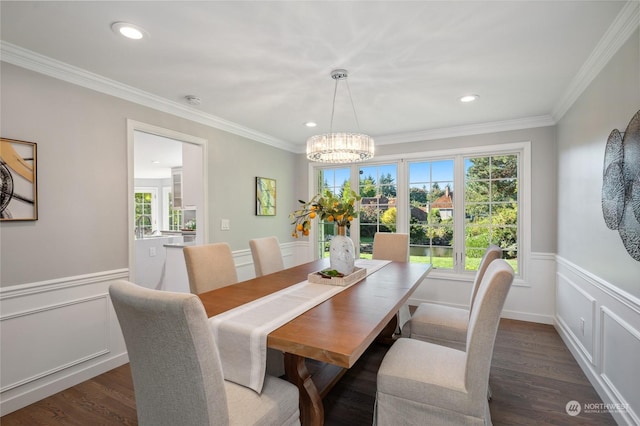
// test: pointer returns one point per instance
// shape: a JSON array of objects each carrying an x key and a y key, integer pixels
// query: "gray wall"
[
  {"x": 609, "y": 103},
  {"x": 82, "y": 179}
]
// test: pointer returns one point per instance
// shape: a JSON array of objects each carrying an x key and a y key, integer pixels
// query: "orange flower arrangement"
[{"x": 326, "y": 206}]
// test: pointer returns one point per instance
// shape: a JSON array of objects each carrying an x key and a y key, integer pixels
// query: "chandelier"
[{"x": 340, "y": 147}]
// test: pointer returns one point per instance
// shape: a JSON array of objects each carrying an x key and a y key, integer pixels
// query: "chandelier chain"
[
  {"x": 337, "y": 78},
  {"x": 353, "y": 106}
]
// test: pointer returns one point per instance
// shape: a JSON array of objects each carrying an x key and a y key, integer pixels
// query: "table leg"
[{"x": 311, "y": 409}]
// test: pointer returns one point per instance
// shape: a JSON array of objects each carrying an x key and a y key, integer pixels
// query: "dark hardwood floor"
[{"x": 533, "y": 376}]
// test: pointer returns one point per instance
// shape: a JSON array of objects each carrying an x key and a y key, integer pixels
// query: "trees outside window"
[
  {"x": 431, "y": 208},
  {"x": 491, "y": 207},
  {"x": 336, "y": 180},
  {"x": 378, "y": 187},
  {"x": 145, "y": 210}
]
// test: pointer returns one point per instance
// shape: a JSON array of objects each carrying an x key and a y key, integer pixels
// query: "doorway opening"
[{"x": 167, "y": 198}]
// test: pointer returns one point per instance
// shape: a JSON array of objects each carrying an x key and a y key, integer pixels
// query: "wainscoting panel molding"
[
  {"x": 56, "y": 334},
  {"x": 576, "y": 310},
  {"x": 244, "y": 260},
  {"x": 611, "y": 360},
  {"x": 619, "y": 369}
]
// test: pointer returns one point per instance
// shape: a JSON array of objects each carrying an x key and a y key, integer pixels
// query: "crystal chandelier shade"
[{"x": 340, "y": 147}]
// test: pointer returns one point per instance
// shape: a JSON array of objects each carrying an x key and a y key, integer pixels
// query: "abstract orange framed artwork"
[{"x": 18, "y": 180}]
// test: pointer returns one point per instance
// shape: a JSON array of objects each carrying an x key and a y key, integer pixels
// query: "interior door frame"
[{"x": 203, "y": 216}]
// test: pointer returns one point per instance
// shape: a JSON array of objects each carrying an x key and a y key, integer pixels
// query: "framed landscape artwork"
[
  {"x": 18, "y": 180},
  {"x": 265, "y": 196}
]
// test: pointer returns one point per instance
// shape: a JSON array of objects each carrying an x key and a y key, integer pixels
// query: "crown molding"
[
  {"x": 627, "y": 21},
  {"x": 468, "y": 130},
  {"x": 24, "y": 58}
]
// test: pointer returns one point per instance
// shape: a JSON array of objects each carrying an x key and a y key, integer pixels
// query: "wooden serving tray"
[{"x": 355, "y": 276}]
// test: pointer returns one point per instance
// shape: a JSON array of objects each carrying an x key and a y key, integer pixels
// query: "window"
[
  {"x": 378, "y": 187},
  {"x": 172, "y": 218},
  {"x": 491, "y": 207},
  {"x": 337, "y": 181},
  {"x": 146, "y": 205},
  {"x": 431, "y": 220},
  {"x": 452, "y": 203}
]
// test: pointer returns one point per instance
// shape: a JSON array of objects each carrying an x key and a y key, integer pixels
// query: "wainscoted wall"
[
  {"x": 59, "y": 333},
  {"x": 244, "y": 260},
  {"x": 600, "y": 324},
  {"x": 56, "y": 334}
]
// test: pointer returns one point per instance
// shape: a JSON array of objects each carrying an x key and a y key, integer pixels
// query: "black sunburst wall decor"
[{"x": 621, "y": 185}]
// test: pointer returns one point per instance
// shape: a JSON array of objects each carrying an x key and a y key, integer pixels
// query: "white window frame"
[
  {"x": 154, "y": 204},
  {"x": 524, "y": 215}
]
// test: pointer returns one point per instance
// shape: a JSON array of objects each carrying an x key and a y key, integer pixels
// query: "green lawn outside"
[{"x": 447, "y": 263}]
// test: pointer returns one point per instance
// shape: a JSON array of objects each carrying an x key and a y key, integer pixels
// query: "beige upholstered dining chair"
[
  {"x": 267, "y": 257},
  {"x": 421, "y": 383},
  {"x": 177, "y": 374},
  {"x": 391, "y": 246},
  {"x": 209, "y": 266},
  {"x": 395, "y": 247},
  {"x": 446, "y": 325}
]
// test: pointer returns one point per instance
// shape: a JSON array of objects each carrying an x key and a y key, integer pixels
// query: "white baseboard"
[{"x": 510, "y": 314}]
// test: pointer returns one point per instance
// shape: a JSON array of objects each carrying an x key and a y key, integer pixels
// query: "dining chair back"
[
  {"x": 267, "y": 256},
  {"x": 395, "y": 247},
  {"x": 447, "y": 325},
  {"x": 176, "y": 368},
  {"x": 391, "y": 246},
  {"x": 424, "y": 383},
  {"x": 209, "y": 266}
]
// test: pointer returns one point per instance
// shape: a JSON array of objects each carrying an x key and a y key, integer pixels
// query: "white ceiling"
[
  {"x": 154, "y": 156},
  {"x": 264, "y": 66}
]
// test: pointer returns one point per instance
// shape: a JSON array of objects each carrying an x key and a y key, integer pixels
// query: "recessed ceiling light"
[
  {"x": 155, "y": 162},
  {"x": 469, "y": 98},
  {"x": 128, "y": 30},
  {"x": 310, "y": 124}
]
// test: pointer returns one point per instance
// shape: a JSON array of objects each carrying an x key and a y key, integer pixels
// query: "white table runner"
[{"x": 241, "y": 333}]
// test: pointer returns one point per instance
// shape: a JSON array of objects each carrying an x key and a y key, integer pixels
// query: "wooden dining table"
[{"x": 335, "y": 332}]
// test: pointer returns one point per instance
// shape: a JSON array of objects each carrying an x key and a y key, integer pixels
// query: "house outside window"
[
  {"x": 378, "y": 187},
  {"x": 431, "y": 212}
]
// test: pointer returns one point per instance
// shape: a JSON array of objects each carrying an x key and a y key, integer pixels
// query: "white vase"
[{"x": 342, "y": 252}]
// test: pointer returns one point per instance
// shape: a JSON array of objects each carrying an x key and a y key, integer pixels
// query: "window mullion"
[
  {"x": 459, "y": 214},
  {"x": 354, "y": 230},
  {"x": 402, "y": 204}
]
